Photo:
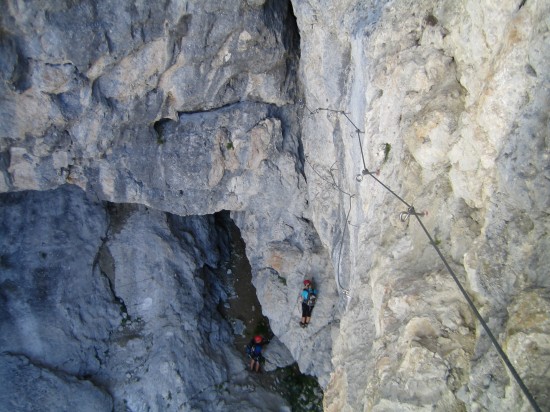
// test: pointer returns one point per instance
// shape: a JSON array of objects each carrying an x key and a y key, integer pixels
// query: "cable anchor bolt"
[
  {"x": 365, "y": 172},
  {"x": 404, "y": 216}
]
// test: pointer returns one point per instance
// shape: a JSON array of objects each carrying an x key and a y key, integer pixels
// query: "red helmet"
[
  {"x": 257, "y": 338},
  {"x": 307, "y": 282}
]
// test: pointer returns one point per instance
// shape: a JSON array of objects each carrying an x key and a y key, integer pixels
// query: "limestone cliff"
[
  {"x": 163, "y": 114},
  {"x": 451, "y": 100}
]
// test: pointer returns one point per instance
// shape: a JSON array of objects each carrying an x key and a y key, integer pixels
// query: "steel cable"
[{"x": 404, "y": 217}]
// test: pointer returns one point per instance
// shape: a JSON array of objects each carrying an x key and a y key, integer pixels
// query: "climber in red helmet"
[{"x": 254, "y": 352}]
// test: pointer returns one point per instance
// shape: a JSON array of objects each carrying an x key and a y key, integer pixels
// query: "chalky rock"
[{"x": 276, "y": 112}]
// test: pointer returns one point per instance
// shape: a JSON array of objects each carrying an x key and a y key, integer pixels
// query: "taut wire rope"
[{"x": 404, "y": 216}]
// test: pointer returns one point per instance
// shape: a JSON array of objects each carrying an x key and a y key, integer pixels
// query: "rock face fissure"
[
  {"x": 125, "y": 128},
  {"x": 244, "y": 312}
]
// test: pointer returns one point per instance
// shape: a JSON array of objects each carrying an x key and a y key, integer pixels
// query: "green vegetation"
[
  {"x": 229, "y": 146},
  {"x": 262, "y": 327},
  {"x": 387, "y": 149},
  {"x": 301, "y": 391}
]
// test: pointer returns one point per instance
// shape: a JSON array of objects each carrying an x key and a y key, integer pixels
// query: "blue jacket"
[{"x": 254, "y": 349}]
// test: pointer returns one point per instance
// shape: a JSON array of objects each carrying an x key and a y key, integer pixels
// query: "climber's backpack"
[
  {"x": 311, "y": 297},
  {"x": 253, "y": 349}
]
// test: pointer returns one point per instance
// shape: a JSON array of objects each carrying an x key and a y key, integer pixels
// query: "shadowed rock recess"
[{"x": 127, "y": 127}]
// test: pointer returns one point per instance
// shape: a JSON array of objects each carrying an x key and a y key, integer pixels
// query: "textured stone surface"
[
  {"x": 120, "y": 310},
  {"x": 193, "y": 109},
  {"x": 132, "y": 65},
  {"x": 49, "y": 243},
  {"x": 456, "y": 92},
  {"x": 179, "y": 112},
  {"x": 28, "y": 387}
]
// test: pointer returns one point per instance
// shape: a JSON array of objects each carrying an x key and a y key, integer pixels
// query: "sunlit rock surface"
[
  {"x": 451, "y": 100},
  {"x": 256, "y": 107}
]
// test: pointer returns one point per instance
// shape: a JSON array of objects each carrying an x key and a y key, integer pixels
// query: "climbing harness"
[{"x": 404, "y": 217}]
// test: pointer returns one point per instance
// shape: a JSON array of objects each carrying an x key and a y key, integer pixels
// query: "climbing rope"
[{"x": 404, "y": 216}]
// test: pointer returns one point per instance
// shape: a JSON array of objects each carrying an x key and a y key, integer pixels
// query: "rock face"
[
  {"x": 273, "y": 110},
  {"x": 115, "y": 310},
  {"x": 56, "y": 312},
  {"x": 451, "y": 103},
  {"x": 169, "y": 142}
]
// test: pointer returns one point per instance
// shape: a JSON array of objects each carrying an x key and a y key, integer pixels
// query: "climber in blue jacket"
[{"x": 308, "y": 298}]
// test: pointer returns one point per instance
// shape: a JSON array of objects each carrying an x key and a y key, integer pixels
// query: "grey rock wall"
[
  {"x": 51, "y": 287},
  {"x": 79, "y": 80},
  {"x": 56, "y": 312},
  {"x": 115, "y": 308},
  {"x": 450, "y": 99},
  {"x": 187, "y": 111},
  {"x": 30, "y": 387},
  {"x": 196, "y": 107}
]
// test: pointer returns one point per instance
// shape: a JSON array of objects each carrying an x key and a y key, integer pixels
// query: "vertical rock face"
[
  {"x": 185, "y": 110},
  {"x": 85, "y": 85},
  {"x": 49, "y": 243},
  {"x": 273, "y": 111},
  {"x": 451, "y": 103},
  {"x": 115, "y": 310},
  {"x": 56, "y": 312}
]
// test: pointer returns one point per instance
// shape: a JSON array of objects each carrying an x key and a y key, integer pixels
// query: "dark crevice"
[
  {"x": 109, "y": 42},
  {"x": 5, "y": 159},
  {"x": 279, "y": 16},
  {"x": 181, "y": 29},
  {"x": 431, "y": 20},
  {"x": 103, "y": 261},
  {"x": 159, "y": 127},
  {"x": 21, "y": 78},
  {"x": 227, "y": 106},
  {"x": 243, "y": 305},
  {"x": 118, "y": 215},
  {"x": 242, "y": 308}
]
